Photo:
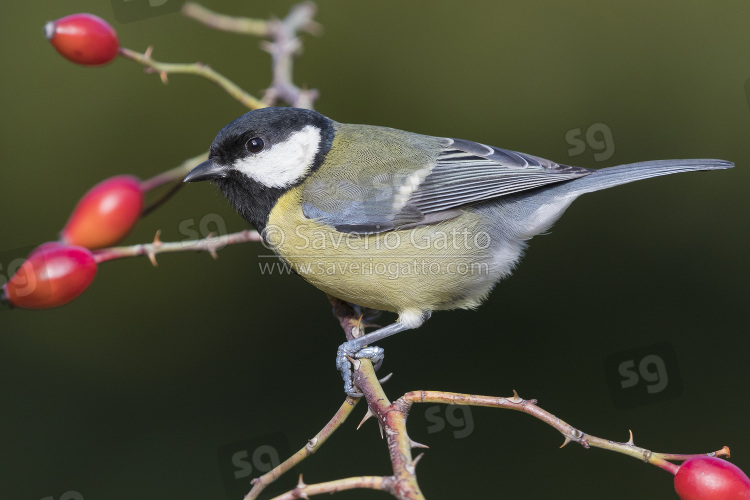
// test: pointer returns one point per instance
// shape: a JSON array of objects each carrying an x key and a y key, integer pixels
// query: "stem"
[
  {"x": 569, "y": 432},
  {"x": 305, "y": 490},
  {"x": 175, "y": 176},
  {"x": 284, "y": 46},
  {"x": 242, "y": 25},
  {"x": 392, "y": 417},
  {"x": 210, "y": 245},
  {"x": 663, "y": 464},
  {"x": 259, "y": 484},
  {"x": 198, "y": 69},
  {"x": 724, "y": 452}
]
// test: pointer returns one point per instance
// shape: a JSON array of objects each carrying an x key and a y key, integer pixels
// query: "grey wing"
[
  {"x": 468, "y": 172},
  {"x": 462, "y": 172}
]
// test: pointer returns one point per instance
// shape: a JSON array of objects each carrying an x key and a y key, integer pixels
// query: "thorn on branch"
[
  {"x": 412, "y": 466},
  {"x": 367, "y": 417},
  {"x": 357, "y": 330},
  {"x": 155, "y": 246},
  {"x": 415, "y": 444},
  {"x": 515, "y": 398}
]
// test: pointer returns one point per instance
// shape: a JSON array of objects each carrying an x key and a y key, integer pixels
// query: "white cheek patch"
[{"x": 285, "y": 163}]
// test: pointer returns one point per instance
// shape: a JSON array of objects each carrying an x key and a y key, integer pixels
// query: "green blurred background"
[{"x": 135, "y": 388}]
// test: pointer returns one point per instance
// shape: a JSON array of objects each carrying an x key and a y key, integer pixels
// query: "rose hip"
[
  {"x": 52, "y": 275},
  {"x": 83, "y": 38},
  {"x": 105, "y": 214},
  {"x": 711, "y": 478}
]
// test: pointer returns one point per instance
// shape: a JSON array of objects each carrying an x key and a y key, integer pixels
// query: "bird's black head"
[{"x": 262, "y": 154}]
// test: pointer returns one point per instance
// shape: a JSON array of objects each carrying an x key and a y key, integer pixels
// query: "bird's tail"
[
  {"x": 613, "y": 176},
  {"x": 539, "y": 209}
]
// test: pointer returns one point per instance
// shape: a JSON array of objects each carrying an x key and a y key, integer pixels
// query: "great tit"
[{"x": 394, "y": 220}]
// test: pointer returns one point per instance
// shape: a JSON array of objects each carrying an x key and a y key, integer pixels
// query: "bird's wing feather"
[
  {"x": 462, "y": 172},
  {"x": 468, "y": 172}
]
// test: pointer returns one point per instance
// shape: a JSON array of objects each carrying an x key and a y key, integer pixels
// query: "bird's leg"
[{"x": 358, "y": 348}]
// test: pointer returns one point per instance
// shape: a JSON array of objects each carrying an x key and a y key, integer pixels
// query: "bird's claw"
[{"x": 348, "y": 352}]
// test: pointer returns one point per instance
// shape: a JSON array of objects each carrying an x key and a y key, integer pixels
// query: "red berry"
[
  {"x": 83, "y": 39},
  {"x": 711, "y": 478},
  {"x": 105, "y": 214},
  {"x": 45, "y": 246},
  {"x": 52, "y": 275}
]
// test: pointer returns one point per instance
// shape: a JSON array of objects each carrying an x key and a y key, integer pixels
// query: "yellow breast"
[{"x": 442, "y": 266}]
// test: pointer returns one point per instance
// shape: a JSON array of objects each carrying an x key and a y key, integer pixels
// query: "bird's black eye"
[{"x": 254, "y": 145}]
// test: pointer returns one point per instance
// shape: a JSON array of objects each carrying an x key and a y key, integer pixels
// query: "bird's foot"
[{"x": 350, "y": 351}]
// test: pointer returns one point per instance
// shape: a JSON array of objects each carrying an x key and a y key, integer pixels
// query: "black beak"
[{"x": 205, "y": 171}]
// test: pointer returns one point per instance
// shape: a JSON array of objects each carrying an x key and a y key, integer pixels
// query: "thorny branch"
[
  {"x": 211, "y": 244},
  {"x": 570, "y": 433},
  {"x": 391, "y": 417},
  {"x": 200, "y": 69},
  {"x": 223, "y": 22},
  {"x": 260, "y": 483},
  {"x": 283, "y": 46}
]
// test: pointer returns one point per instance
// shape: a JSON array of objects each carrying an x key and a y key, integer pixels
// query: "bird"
[{"x": 394, "y": 220}]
